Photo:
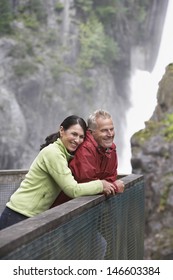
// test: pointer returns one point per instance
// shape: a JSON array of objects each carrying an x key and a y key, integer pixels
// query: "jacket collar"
[
  {"x": 63, "y": 149},
  {"x": 101, "y": 150}
]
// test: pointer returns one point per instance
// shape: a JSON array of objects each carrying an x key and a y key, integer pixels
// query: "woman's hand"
[{"x": 108, "y": 188}]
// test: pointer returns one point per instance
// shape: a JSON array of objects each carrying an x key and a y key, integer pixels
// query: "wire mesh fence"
[{"x": 86, "y": 228}]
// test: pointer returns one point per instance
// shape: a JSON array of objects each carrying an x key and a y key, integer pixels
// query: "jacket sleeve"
[
  {"x": 56, "y": 166},
  {"x": 83, "y": 165},
  {"x": 111, "y": 168}
]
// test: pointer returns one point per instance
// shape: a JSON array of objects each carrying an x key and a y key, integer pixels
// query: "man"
[{"x": 96, "y": 157}]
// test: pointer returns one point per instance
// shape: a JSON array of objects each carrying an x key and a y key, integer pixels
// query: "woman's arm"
[{"x": 55, "y": 164}]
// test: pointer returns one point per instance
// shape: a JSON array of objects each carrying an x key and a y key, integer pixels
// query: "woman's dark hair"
[{"x": 69, "y": 121}]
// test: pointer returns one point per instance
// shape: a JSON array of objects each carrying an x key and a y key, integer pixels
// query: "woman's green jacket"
[{"x": 47, "y": 176}]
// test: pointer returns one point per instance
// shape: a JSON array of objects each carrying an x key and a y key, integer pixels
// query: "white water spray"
[{"x": 144, "y": 87}]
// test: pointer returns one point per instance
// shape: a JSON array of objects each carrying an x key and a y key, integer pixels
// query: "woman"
[{"x": 49, "y": 174}]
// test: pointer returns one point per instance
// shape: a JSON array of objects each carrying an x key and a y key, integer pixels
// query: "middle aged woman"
[{"x": 49, "y": 174}]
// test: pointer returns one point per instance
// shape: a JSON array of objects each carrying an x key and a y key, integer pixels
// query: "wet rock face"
[
  {"x": 152, "y": 156},
  {"x": 39, "y": 69},
  {"x": 12, "y": 129}
]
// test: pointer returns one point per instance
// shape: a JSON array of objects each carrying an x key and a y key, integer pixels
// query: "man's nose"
[{"x": 110, "y": 132}]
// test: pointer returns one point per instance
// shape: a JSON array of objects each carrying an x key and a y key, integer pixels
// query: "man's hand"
[{"x": 120, "y": 186}]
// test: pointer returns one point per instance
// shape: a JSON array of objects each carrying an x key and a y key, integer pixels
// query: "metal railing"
[{"x": 90, "y": 227}]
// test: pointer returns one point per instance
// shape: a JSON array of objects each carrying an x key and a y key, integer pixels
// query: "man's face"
[{"x": 104, "y": 132}]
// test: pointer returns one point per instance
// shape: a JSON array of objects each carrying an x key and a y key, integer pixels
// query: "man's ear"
[{"x": 90, "y": 130}]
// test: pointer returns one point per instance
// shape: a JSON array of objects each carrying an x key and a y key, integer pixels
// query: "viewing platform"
[{"x": 85, "y": 228}]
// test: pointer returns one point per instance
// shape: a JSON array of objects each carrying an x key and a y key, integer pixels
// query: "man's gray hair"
[{"x": 92, "y": 119}]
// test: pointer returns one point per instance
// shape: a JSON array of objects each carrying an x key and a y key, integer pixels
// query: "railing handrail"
[
  {"x": 13, "y": 171},
  {"x": 50, "y": 219}
]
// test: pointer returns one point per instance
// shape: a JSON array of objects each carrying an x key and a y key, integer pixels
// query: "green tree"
[
  {"x": 92, "y": 41},
  {"x": 5, "y": 17}
]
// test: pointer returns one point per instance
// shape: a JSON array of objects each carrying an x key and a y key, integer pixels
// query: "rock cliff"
[{"x": 152, "y": 156}]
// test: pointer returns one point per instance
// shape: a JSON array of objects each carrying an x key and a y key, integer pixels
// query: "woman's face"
[{"x": 72, "y": 137}]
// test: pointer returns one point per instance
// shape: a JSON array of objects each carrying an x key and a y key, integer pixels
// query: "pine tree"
[{"x": 5, "y": 17}]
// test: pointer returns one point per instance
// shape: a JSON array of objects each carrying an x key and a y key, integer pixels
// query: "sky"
[{"x": 143, "y": 104}]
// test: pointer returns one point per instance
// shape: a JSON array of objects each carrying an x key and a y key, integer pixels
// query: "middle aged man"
[{"x": 96, "y": 157}]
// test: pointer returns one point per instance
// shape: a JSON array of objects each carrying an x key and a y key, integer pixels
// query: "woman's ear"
[{"x": 61, "y": 131}]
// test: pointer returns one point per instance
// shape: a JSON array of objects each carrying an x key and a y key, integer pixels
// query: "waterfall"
[{"x": 144, "y": 87}]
